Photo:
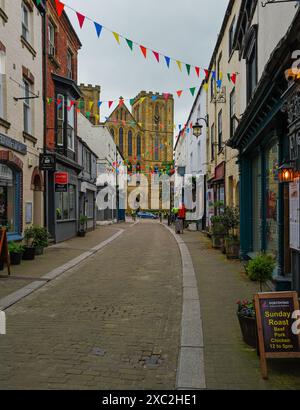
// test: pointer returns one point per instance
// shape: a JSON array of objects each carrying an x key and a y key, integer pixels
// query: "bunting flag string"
[
  {"x": 154, "y": 97},
  {"x": 60, "y": 7},
  {"x": 80, "y": 106}
]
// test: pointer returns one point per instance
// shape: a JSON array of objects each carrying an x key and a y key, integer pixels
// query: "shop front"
[
  {"x": 216, "y": 199},
  {"x": 62, "y": 201},
  {"x": 292, "y": 107},
  {"x": 11, "y": 194}
]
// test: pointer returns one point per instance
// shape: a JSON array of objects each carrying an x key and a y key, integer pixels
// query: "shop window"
[
  {"x": 87, "y": 161},
  {"x": 66, "y": 202},
  {"x": 7, "y": 198},
  {"x": 71, "y": 125},
  {"x": 272, "y": 199},
  {"x": 27, "y": 107}
]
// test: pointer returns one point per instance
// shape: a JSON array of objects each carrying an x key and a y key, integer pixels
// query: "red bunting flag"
[
  {"x": 156, "y": 55},
  {"x": 81, "y": 19},
  {"x": 110, "y": 103},
  {"x": 144, "y": 51},
  {"x": 179, "y": 92},
  {"x": 191, "y": 125},
  {"x": 72, "y": 102},
  {"x": 59, "y": 7},
  {"x": 166, "y": 96},
  {"x": 233, "y": 78},
  {"x": 197, "y": 71},
  {"x": 206, "y": 74}
]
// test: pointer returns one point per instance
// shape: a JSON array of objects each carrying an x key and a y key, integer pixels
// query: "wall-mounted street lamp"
[
  {"x": 197, "y": 128},
  {"x": 286, "y": 172}
]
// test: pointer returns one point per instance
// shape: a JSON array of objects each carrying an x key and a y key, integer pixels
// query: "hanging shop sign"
[
  {"x": 295, "y": 214},
  {"x": 61, "y": 180},
  {"x": 47, "y": 162},
  {"x": 278, "y": 325}
]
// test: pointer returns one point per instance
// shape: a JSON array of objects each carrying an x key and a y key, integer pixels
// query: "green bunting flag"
[
  {"x": 132, "y": 101},
  {"x": 188, "y": 68},
  {"x": 130, "y": 44},
  {"x": 192, "y": 90}
]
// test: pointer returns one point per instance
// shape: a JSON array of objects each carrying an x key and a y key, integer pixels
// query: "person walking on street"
[{"x": 182, "y": 214}]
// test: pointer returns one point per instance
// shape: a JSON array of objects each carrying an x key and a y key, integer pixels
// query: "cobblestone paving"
[
  {"x": 54, "y": 256},
  {"x": 229, "y": 362},
  {"x": 112, "y": 323}
]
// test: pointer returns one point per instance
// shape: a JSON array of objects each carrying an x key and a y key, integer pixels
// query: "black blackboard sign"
[{"x": 278, "y": 333}]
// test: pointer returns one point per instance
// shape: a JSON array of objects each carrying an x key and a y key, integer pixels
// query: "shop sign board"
[
  {"x": 278, "y": 326},
  {"x": 61, "y": 180}
]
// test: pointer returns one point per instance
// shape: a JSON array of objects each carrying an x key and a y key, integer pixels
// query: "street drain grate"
[{"x": 97, "y": 351}]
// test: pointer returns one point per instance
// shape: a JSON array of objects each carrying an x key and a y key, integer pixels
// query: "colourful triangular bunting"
[
  {"x": 81, "y": 19},
  {"x": 98, "y": 28},
  {"x": 117, "y": 37},
  {"x": 59, "y": 7},
  {"x": 130, "y": 43}
]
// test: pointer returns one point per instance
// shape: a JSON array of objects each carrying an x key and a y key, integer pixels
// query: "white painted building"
[
  {"x": 21, "y": 115},
  {"x": 109, "y": 163},
  {"x": 190, "y": 155}
]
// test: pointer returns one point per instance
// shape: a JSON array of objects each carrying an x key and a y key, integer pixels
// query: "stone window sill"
[
  {"x": 3, "y": 15},
  {"x": 28, "y": 46},
  {"x": 28, "y": 137},
  {"x": 4, "y": 123}
]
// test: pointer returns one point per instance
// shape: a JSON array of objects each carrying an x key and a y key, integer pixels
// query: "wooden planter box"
[{"x": 248, "y": 329}]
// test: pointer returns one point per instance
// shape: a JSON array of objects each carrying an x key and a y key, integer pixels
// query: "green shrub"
[
  {"x": 40, "y": 236},
  {"x": 15, "y": 247},
  {"x": 261, "y": 268}
]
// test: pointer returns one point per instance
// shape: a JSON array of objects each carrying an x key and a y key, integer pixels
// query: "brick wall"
[{"x": 65, "y": 39}]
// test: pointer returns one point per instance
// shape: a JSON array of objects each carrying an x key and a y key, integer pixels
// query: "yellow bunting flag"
[
  {"x": 91, "y": 103},
  {"x": 179, "y": 65},
  {"x": 142, "y": 99},
  {"x": 205, "y": 86},
  {"x": 117, "y": 37},
  {"x": 97, "y": 118},
  {"x": 221, "y": 75}
]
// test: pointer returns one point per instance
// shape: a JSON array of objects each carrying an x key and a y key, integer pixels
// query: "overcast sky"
[{"x": 184, "y": 29}]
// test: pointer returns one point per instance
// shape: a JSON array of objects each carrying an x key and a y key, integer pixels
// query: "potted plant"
[
  {"x": 261, "y": 268},
  {"x": 231, "y": 221},
  {"x": 218, "y": 231},
  {"x": 82, "y": 225},
  {"x": 40, "y": 239},
  {"x": 247, "y": 320},
  {"x": 16, "y": 252},
  {"x": 29, "y": 249}
]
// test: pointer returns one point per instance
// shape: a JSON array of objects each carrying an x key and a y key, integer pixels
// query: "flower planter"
[
  {"x": 16, "y": 258},
  {"x": 29, "y": 253},
  {"x": 248, "y": 329},
  {"x": 39, "y": 250},
  {"x": 81, "y": 234},
  {"x": 232, "y": 247}
]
